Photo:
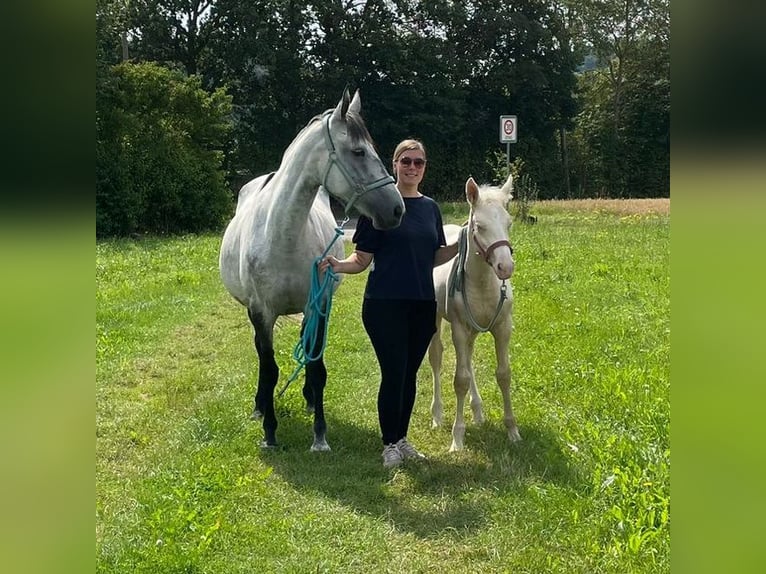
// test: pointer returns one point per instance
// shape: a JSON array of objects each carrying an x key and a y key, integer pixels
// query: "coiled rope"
[{"x": 318, "y": 307}]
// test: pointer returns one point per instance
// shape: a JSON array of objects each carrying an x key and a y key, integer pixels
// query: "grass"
[{"x": 182, "y": 485}]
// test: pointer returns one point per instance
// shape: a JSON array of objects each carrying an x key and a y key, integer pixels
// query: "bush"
[{"x": 159, "y": 142}]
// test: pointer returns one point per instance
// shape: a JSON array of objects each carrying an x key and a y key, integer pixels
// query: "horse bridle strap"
[
  {"x": 456, "y": 283},
  {"x": 359, "y": 188},
  {"x": 485, "y": 253}
]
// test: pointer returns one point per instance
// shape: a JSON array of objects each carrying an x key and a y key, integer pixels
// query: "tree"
[
  {"x": 630, "y": 40},
  {"x": 159, "y": 164},
  {"x": 172, "y": 31}
]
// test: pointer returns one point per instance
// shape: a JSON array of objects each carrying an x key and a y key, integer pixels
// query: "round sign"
[{"x": 508, "y": 129}]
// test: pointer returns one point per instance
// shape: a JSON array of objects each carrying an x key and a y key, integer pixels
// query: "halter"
[
  {"x": 485, "y": 253},
  {"x": 359, "y": 188}
]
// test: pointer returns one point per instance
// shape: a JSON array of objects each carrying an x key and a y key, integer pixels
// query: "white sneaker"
[
  {"x": 391, "y": 456},
  {"x": 409, "y": 452}
]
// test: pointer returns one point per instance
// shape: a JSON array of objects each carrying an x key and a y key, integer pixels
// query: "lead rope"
[{"x": 318, "y": 307}]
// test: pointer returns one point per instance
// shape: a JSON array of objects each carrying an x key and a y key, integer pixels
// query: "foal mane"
[{"x": 492, "y": 194}]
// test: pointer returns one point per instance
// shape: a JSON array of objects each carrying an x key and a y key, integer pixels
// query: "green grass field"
[{"x": 182, "y": 485}]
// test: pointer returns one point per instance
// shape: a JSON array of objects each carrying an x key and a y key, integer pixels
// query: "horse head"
[
  {"x": 489, "y": 222},
  {"x": 355, "y": 174}
]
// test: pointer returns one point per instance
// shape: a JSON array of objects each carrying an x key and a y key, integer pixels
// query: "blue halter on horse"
[{"x": 359, "y": 188}]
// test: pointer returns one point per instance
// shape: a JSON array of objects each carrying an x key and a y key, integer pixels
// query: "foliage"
[
  {"x": 525, "y": 188},
  {"x": 159, "y": 153},
  {"x": 182, "y": 486},
  {"x": 621, "y": 142},
  {"x": 442, "y": 72}
]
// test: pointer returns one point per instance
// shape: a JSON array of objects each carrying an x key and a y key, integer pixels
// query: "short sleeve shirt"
[{"x": 403, "y": 257}]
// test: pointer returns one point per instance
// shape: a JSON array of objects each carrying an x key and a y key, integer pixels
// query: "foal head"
[{"x": 489, "y": 223}]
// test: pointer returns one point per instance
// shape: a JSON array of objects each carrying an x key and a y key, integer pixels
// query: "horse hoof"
[
  {"x": 514, "y": 436},
  {"x": 320, "y": 447},
  {"x": 256, "y": 416},
  {"x": 266, "y": 445},
  {"x": 456, "y": 447}
]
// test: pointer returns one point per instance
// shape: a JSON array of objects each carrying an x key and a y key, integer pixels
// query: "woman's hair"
[{"x": 407, "y": 145}]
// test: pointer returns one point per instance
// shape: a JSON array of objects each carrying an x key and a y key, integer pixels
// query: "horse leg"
[
  {"x": 308, "y": 392},
  {"x": 435, "y": 353},
  {"x": 502, "y": 337},
  {"x": 473, "y": 389},
  {"x": 463, "y": 342},
  {"x": 316, "y": 380},
  {"x": 316, "y": 376},
  {"x": 268, "y": 374}
]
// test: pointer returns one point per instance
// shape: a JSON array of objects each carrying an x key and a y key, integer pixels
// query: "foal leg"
[
  {"x": 435, "y": 353},
  {"x": 268, "y": 374},
  {"x": 502, "y": 337},
  {"x": 473, "y": 389},
  {"x": 463, "y": 341}
]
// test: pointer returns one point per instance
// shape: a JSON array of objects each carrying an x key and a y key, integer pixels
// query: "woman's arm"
[
  {"x": 357, "y": 262},
  {"x": 444, "y": 254}
]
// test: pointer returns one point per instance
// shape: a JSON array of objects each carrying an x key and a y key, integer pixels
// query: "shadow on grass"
[{"x": 449, "y": 494}]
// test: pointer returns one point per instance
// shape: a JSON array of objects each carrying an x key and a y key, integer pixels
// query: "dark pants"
[{"x": 400, "y": 331}]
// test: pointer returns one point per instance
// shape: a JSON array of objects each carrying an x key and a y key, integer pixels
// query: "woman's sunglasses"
[{"x": 417, "y": 162}]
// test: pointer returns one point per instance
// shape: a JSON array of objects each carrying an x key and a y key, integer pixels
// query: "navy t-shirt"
[{"x": 403, "y": 258}]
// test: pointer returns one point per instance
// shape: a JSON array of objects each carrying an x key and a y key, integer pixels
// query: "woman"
[{"x": 399, "y": 309}]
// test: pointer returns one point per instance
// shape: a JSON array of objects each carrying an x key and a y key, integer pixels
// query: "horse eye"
[{"x": 359, "y": 152}]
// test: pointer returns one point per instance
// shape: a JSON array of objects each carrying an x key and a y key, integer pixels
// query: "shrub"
[{"x": 159, "y": 141}]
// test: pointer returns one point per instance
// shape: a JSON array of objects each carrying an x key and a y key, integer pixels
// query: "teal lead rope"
[{"x": 318, "y": 307}]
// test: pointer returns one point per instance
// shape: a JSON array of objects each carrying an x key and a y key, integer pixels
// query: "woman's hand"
[
  {"x": 330, "y": 262},
  {"x": 354, "y": 263}
]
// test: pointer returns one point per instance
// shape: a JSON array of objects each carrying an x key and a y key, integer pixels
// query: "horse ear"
[
  {"x": 356, "y": 104},
  {"x": 471, "y": 190},
  {"x": 507, "y": 188},
  {"x": 342, "y": 107}
]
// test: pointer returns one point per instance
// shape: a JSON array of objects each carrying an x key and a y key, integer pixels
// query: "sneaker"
[
  {"x": 409, "y": 452},
  {"x": 391, "y": 456}
]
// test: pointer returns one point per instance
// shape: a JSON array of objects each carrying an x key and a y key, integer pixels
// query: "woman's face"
[{"x": 410, "y": 167}]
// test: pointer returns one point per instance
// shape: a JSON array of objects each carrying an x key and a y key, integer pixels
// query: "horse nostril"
[{"x": 398, "y": 211}]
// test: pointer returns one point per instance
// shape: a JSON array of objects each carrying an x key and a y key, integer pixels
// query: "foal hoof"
[{"x": 513, "y": 435}]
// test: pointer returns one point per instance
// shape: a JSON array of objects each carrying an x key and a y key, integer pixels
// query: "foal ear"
[
  {"x": 342, "y": 107},
  {"x": 471, "y": 191},
  {"x": 356, "y": 104},
  {"x": 507, "y": 188}
]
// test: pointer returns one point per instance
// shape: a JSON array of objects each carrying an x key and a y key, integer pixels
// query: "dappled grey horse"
[{"x": 283, "y": 223}]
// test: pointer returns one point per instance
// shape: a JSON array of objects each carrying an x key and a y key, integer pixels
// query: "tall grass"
[{"x": 182, "y": 485}]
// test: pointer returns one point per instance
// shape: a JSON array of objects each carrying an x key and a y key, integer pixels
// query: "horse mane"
[
  {"x": 357, "y": 129},
  {"x": 491, "y": 193}
]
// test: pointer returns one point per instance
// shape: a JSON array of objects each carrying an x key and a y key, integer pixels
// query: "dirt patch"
[{"x": 657, "y": 206}]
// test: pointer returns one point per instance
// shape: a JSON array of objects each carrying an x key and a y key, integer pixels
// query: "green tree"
[
  {"x": 623, "y": 129},
  {"x": 160, "y": 162}
]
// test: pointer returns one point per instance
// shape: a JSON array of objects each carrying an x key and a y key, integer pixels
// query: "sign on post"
[{"x": 508, "y": 129}]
